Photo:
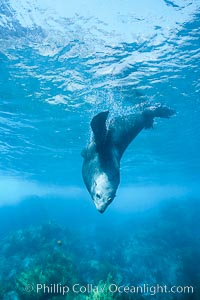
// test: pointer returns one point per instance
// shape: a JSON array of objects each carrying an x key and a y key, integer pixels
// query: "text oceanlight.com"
[{"x": 112, "y": 288}]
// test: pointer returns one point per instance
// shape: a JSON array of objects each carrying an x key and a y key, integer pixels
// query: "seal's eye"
[
  {"x": 98, "y": 196},
  {"x": 109, "y": 200}
]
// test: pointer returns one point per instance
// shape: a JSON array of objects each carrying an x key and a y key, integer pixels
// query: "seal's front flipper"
[
  {"x": 84, "y": 152},
  {"x": 98, "y": 125}
]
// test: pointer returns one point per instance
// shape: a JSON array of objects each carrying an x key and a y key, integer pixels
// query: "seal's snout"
[
  {"x": 101, "y": 210},
  {"x": 100, "y": 207},
  {"x": 102, "y": 204}
]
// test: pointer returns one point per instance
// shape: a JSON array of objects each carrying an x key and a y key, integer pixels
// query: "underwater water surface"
[{"x": 60, "y": 64}]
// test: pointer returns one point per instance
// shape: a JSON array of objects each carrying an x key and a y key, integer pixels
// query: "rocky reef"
[{"x": 52, "y": 262}]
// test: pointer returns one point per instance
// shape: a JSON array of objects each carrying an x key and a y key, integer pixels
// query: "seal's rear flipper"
[
  {"x": 156, "y": 111},
  {"x": 163, "y": 112},
  {"x": 98, "y": 125},
  {"x": 122, "y": 130}
]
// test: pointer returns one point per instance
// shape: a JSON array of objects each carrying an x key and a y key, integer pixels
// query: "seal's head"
[{"x": 102, "y": 191}]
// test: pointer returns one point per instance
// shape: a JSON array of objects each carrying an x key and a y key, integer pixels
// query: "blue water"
[{"x": 60, "y": 64}]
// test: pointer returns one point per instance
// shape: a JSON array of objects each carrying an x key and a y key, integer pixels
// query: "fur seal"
[{"x": 101, "y": 157}]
